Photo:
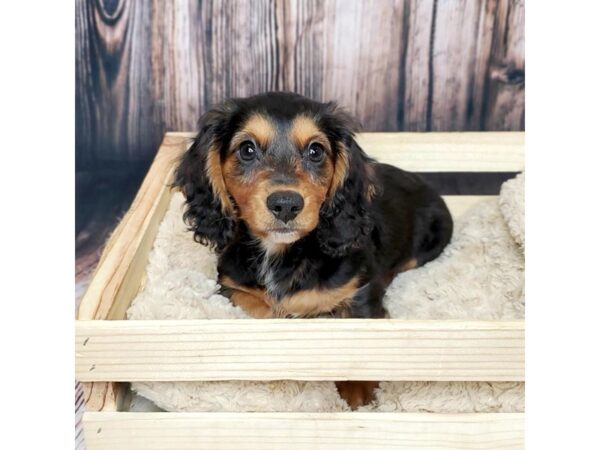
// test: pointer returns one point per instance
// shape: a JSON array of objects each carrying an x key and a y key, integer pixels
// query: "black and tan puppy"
[{"x": 305, "y": 224}]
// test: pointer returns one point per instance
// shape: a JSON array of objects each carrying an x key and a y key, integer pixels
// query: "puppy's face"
[
  {"x": 283, "y": 164},
  {"x": 279, "y": 171}
]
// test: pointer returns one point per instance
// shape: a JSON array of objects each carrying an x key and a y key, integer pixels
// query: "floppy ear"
[
  {"x": 345, "y": 221},
  {"x": 209, "y": 211}
]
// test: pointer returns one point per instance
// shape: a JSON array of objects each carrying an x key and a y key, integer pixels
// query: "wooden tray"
[{"x": 111, "y": 351}]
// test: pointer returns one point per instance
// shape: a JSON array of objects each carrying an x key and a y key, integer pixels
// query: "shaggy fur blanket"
[{"x": 478, "y": 276}]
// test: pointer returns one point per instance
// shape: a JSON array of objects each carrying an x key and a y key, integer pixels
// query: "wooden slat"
[
  {"x": 460, "y": 204},
  {"x": 447, "y": 152},
  {"x": 453, "y": 54},
  {"x": 443, "y": 152},
  {"x": 357, "y": 70},
  {"x": 120, "y": 270},
  {"x": 504, "y": 101},
  {"x": 311, "y": 431},
  {"x": 319, "y": 349}
]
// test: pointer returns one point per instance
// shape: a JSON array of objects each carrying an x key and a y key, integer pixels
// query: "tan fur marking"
[
  {"x": 251, "y": 197},
  {"x": 408, "y": 265},
  {"x": 310, "y": 303},
  {"x": 314, "y": 193},
  {"x": 253, "y": 306},
  {"x": 371, "y": 191},
  {"x": 215, "y": 175},
  {"x": 357, "y": 393},
  {"x": 304, "y": 130},
  {"x": 257, "y": 127},
  {"x": 254, "y": 301},
  {"x": 340, "y": 170},
  {"x": 371, "y": 188}
]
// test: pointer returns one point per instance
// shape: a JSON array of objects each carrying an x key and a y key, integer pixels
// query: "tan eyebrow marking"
[
  {"x": 304, "y": 130},
  {"x": 257, "y": 127}
]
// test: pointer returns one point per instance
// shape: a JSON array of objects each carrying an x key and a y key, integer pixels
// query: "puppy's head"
[{"x": 284, "y": 165}]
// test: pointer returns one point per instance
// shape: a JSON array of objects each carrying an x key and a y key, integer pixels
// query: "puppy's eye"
[
  {"x": 247, "y": 151},
  {"x": 315, "y": 152}
]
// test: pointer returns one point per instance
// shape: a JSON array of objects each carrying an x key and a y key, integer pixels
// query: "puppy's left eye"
[
  {"x": 247, "y": 151},
  {"x": 315, "y": 152}
]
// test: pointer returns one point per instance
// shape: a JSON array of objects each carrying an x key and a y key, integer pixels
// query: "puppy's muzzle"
[{"x": 285, "y": 205}]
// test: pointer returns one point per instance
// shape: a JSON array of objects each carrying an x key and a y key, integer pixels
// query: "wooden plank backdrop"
[{"x": 146, "y": 67}]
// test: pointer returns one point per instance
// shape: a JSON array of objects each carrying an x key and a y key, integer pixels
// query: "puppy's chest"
[
  {"x": 281, "y": 280},
  {"x": 294, "y": 290}
]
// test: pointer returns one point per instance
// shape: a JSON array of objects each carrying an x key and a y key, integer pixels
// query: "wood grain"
[
  {"x": 113, "y": 90},
  {"x": 309, "y": 349},
  {"x": 504, "y": 102},
  {"x": 453, "y": 59},
  {"x": 144, "y": 68},
  {"x": 448, "y": 152},
  {"x": 310, "y": 431}
]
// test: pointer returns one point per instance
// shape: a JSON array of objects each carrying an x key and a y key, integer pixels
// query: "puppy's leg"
[
  {"x": 254, "y": 306},
  {"x": 367, "y": 303},
  {"x": 357, "y": 393},
  {"x": 253, "y": 300}
]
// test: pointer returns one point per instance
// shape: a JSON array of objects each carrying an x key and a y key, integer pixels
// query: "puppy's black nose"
[{"x": 285, "y": 205}]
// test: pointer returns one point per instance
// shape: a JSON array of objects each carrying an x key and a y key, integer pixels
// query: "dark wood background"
[{"x": 145, "y": 67}]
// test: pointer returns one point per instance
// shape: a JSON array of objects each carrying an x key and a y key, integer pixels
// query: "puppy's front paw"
[{"x": 357, "y": 393}]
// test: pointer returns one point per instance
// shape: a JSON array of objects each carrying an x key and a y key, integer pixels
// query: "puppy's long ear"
[
  {"x": 345, "y": 220},
  {"x": 209, "y": 211}
]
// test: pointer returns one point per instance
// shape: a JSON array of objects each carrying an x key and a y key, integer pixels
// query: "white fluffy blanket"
[{"x": 478, "y": 276}]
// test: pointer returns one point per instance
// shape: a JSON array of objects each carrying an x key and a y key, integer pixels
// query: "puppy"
[{"x": 304, "y": 222}]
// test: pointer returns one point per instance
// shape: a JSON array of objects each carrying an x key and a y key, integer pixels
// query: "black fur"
[
  {"x": 345, "y": 220},
  {"x": 204, "y": 211}
]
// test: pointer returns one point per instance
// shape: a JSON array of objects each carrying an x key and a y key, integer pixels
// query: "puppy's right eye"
[{"x": 247, "y": 151}]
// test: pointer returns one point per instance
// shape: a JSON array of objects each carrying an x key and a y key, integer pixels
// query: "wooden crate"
[{"x": 111, "y": 351}]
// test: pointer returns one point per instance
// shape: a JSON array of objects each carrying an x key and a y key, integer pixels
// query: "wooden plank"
[
  {"x": 301, "y": 36},
  {"x": 241, "y": 49},
  {"x": 453, "y": 60},
  {"x": 118, "y": 275},
  {"x": 176, "y": 65},
  {"x": 443, "y": 152},
  {"x": 362, "y": 67},
  {"x": 116, "y": 108},
  {"x": 479, "y": 80},
  {"x": 504, "y": 100},
  {"x": 447, "y": 152},
  {"x": 417, "y": 65},
  {"x": 311, "y": 431},
  {"x": 318, "y": 349},
  {"x": 460, "y": 204}
]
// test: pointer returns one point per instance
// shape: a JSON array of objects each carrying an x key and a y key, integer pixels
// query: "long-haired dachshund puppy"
[{"x": 304, "y": 223}]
